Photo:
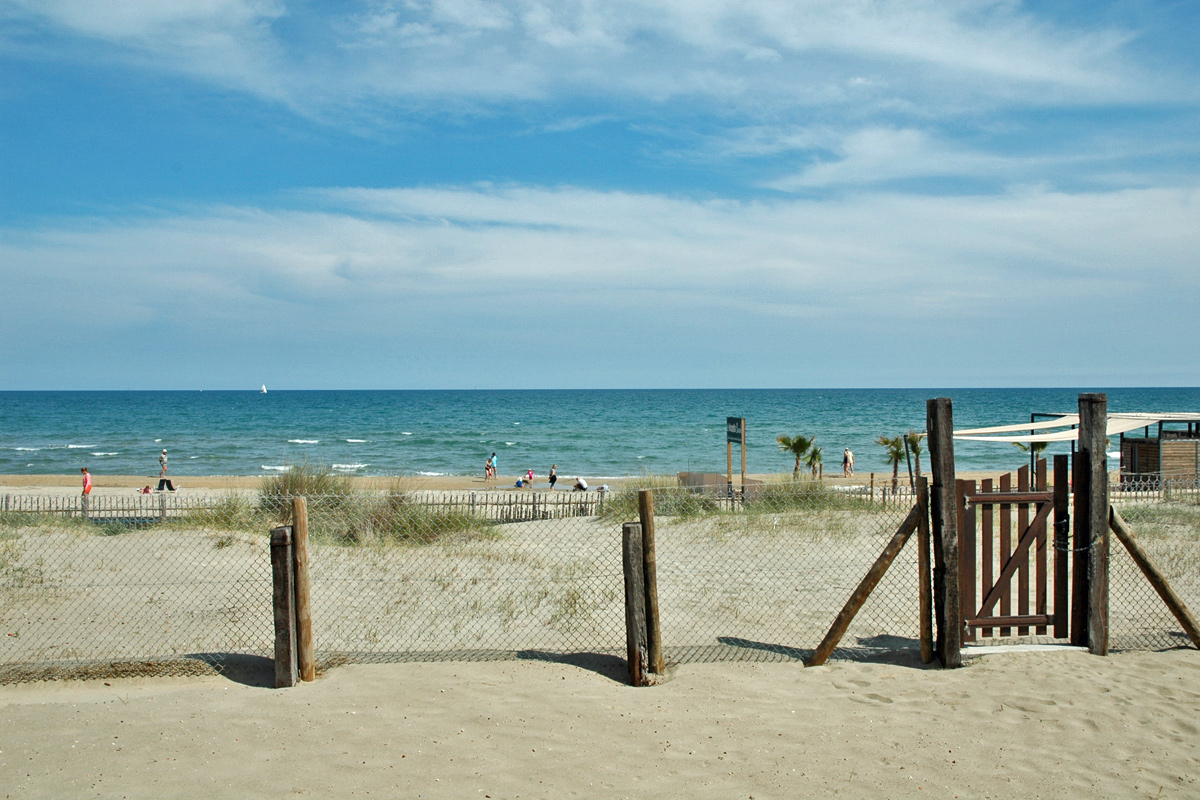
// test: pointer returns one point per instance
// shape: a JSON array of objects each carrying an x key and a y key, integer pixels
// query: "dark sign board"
[{"x": 735, "y": 429}]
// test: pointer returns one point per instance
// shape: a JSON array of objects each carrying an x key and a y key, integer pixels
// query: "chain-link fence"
[
  {"x": 175, "y": 583},
  {"x": 148, "y": 584},
  {"x": 1164, "y": 516}
]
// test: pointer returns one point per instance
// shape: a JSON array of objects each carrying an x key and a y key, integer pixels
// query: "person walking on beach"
[
  {"x": 553, "y": 476},
  {"x": 87, "y": 482},
  {"x": 495, "y": 465},
  {"x": 164, "y": 483},
  {"x": 487, "y": 471},
  {"x": 847, "y": 463}
]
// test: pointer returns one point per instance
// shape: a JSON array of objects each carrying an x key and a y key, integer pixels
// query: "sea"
[{"x": 593, "y": 433}]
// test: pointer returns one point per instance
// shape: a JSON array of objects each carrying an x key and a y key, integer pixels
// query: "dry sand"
[{"x": 1019, "y": 725}]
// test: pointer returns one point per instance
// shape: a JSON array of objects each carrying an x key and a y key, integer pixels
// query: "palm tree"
[
  {"x": 894, "y": 449},
  {"x": 914, "y": 444},
  {"x": 1036, "y": 448},
  {"x": 813, "y": 459},
  {"x": 797, "y": 446},
  {"x": 913, "y": 441}
]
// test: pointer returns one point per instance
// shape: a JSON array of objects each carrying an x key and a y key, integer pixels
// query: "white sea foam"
[
  {"x": 106, "y": 454},
  {"x": 406, "y": 433},
  {"x": 348, "y": 467},
  {"x": 79, "y": 446},
  {"x": 433, "y": 474},
  {"x": 28, "y": 449},
  {"x": 158, "y": 440},
  {"x": 275, "y": 469},
  {"x": 509, "y": 444},
  {"x": 304, "y": 441},
  {"x": 356, "y": 441}
]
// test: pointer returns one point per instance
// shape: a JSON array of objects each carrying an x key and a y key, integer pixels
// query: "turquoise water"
[{"x": 605, "y": 433}]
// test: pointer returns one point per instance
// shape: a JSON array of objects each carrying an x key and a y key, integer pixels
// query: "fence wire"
[
  {"x": 1164, "y": 516},
  {"x": 177, "y": 584}
]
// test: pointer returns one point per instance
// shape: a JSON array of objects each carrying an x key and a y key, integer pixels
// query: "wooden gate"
[{"x": 1002, "y": 535}]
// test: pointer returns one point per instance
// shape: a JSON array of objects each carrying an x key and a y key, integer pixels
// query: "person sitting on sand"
[
  {"x": 580, "y": 485},
  {"x": 146, "y": 490}
]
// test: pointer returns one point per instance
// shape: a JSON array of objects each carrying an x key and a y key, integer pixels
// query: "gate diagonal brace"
[{"x": 1019, "y": 554}]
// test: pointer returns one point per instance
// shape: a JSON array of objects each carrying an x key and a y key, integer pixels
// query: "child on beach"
[{"x": 87, "y": 481}]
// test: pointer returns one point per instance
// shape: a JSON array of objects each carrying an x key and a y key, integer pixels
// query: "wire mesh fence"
[
  {"x": 130, "y": 585},
  {"x": 1164, "y": 516},
  {"x": 167, "y": 583}
]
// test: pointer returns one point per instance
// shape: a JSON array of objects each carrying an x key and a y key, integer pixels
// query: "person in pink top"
[{"x": 87, "y": 481}]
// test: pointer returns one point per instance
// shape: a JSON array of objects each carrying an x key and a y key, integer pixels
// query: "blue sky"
[{"x": 527, "y": 194}]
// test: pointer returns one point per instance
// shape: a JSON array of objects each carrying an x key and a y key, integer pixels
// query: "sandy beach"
[{"x": 1023, "y": 724}]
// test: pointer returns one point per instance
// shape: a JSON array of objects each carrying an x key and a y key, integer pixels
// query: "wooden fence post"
[
  {"x": 939, "y": 422},
  {"x": 635, "y": 602},
  {"x": 283, "y": 599},
  {"x": 1093, "y": 421},
  {"x": 162, "y": 505},
  {"x": 305, "y": 660},
  {"x": 654, "y": 649}
]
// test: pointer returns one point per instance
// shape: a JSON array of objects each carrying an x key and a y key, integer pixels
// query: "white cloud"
[
  {"x": 861, "y": 255},
  {"x": 751, "y": 53}
]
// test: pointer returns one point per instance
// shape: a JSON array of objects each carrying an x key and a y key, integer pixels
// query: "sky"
[{"x": 577, "y": 194}]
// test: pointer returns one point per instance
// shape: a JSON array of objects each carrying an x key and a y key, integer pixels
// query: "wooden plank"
[
  {"x": 925, "y": 578},
  {"x": 987, "y": 546},
  {"x": 1039, "y": 574},
  {"x": 1173, "y": 601},
  {"x": 1079, "y": 551},
  {"x": 966, "y": 550},
  {"x": 1001, "y": 589},
  {"x": 939, "y": 422},
  {"x": 1093, "y": 419},
  {"x": 283, "y": 602},
  {"x": 1023, "y": 567},
  {"x": 1062, "y": 544},
  {"x": 864, "y": 589},
  {"x": 982, "y": 498},
  {"x": 305, "y": 659},
  {"x": 1015, "y": 619},
  {"x": 654, "y": 650},
  {"x": 635, "y": 603},
  {"x": 1005, "y": 552}
]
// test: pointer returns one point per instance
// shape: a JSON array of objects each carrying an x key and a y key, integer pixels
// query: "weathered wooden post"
[
  {"x": 283, "y": 597},
  {"x": 1091, "y": 526},
  {"x": 305, "y": 660},
  {"x": 650, "y": 568},
  {"x": 939, "y": 422},
  {"x": 162, "y": 505},
  {"x": 635, "y": 603}
]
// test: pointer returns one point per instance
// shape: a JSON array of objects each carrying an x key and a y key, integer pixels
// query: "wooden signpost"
[{"x": 735, "y": 433}]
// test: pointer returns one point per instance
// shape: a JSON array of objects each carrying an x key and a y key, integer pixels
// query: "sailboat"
[{"x": 264, "y": 389}]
